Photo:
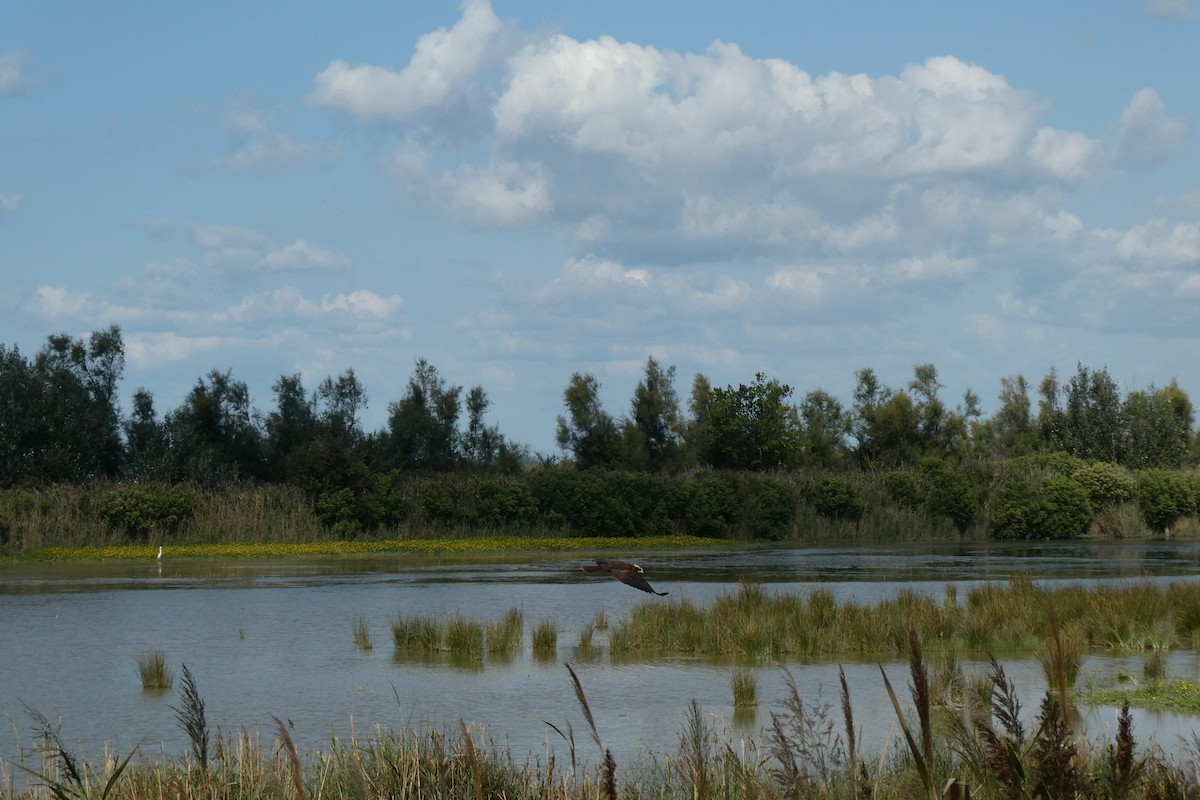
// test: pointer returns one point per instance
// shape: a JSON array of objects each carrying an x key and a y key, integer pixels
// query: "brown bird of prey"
[{"x": 624, "y": 571}]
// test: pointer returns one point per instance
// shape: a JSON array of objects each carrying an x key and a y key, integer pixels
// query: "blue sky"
[{"x": 516, "y": 191}]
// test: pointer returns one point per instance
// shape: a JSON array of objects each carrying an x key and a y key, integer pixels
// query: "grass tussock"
[
  {"x": 545, "y": 638},
  {"x": 156, "y": 674},
  {"x": 506, "y": 634},
  {"x": 743, "y": 685},
  {"x": 362, "y": 632}
]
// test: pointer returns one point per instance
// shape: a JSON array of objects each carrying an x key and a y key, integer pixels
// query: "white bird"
[{"x": 159, "y": 556}]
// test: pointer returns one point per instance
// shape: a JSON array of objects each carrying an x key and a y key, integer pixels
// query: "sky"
[{"x": 519, "y": 190}]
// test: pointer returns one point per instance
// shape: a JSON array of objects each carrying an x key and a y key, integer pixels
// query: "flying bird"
[{"x": 624, "y": 571}]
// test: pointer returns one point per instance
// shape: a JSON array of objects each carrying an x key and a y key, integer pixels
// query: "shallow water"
[{"x": 273, "y": 638}]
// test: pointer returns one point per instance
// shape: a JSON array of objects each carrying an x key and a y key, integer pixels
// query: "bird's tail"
[{"x": 592, "y": 568}]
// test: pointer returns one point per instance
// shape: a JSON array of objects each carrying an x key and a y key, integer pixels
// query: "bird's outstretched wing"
[{"x": 634, "y": 579}]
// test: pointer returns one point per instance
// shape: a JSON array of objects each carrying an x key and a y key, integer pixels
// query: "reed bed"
[
  {"x": 1004, "y": 617},
  {"x": 156, "y": 674}
]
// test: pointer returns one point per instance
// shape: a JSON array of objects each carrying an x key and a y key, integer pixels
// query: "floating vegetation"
[
  {"x": 1173, "y": 693},
  {"x": 155, "y": 672}
]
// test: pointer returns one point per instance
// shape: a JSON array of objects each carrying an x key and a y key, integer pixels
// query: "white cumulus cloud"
[
  {"x": 1147, "y": 134},
  {"x": 444, "y": 62}
]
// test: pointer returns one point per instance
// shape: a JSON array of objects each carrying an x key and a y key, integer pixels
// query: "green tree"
[
  {"x": 1012, "y": 432},
  {"x": 753, "y": 427},
  {"x": 423, "y": 425},
  {"x": 292, "y": 424},
  {"x": 588, "y": 432},
  {"x": 146, "y": 440},
  {"x": 1091, "y": 418},
  {"x": 338, "y": 404},
  {"x": 825, "y": 428},
  {"x": 79, "y": 416},
  {"x": 215, "y": 434},
  {"x": 653, "y": 429},
  {"x": 1158, "y": 427}
]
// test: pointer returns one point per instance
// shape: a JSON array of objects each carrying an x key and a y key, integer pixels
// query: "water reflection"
[{"x": 274, "y": 638}]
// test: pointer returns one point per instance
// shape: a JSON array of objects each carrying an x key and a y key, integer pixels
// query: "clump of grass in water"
[
  {"x": 585, "y": 636},
  {"x": 362, "y": 632},
  {"x": 154, "y": 671},
  {"x": 545, "y": 637},
  {"x": 505, "y": 634},
  {"x": 416, "y": 633},
  {"x": 744, "y": 686},
  {"x": 463, "y": 636},
  {"x": 1154, "y": 664},
  {"x": 601, "y": 620}
]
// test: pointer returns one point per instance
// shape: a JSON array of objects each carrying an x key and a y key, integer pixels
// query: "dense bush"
[
  {"x": 948, "y": 493},
  {"x": 1063, "y": 508},
  {"x": 504, "y": 503},
  {"x": 1106, "y": 484},
  {"x": 1164, "y": 496},
  {"x": 904, "y": 488},
  {"x": 835, "y": 498},
  {"x": 1014, "y": 510},
  {"x": 709, "y": 504},
  {"x": 142, "y": 511},
  {"x": 770, "y": 507}
]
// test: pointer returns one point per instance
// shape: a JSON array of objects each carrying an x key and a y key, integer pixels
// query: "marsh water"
[{"x": 268, "y": 639}]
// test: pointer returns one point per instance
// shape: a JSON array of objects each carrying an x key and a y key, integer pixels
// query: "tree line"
[{"x": 61, "y": 422}]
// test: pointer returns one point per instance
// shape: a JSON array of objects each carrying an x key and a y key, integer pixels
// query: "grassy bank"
[
  {"x": 975, "y": 748},
  {"x": 425, "y": 546}
]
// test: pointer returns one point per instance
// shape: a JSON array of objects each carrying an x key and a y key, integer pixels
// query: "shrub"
[
  {"x": 505, "y": 503},
  {"x": 1106, "y": 484},
  {"x": 949, "y": 493},
  {"x": 338, "y": 511},
  {"x": 904, "y": 488},
  {"x": 709, "y": 504},
  {"x": 835, "y": 498},
  {"x": 770, "y": 507},
  {"x": 1014, "y": 510},
  {"x": 1164, "y": 496},
  {"x": 143, "y": 510},
  {"x": 1064, "y": 510}
]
